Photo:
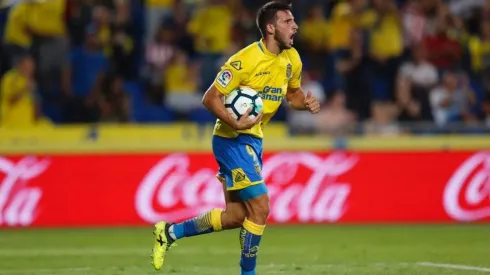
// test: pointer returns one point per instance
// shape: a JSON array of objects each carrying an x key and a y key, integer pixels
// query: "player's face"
[{"x": 286, "y": 28}]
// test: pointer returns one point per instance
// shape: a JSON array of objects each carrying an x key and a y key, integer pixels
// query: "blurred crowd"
[{"x": 381, "y": 67}]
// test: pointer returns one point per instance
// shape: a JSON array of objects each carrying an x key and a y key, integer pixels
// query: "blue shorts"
[{"x": 240, "y": 165}]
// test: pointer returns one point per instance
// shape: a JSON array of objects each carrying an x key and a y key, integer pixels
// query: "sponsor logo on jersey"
[
  {"x": 272, "y": 94},
  {"x": 225, "y": 78},
  {"x": 262, "y": 73}
]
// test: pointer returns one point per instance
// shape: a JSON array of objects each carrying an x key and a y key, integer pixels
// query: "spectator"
[
  {"x": 386, "y": 46},
  {"x": 335, "y": 119},
  {"x": 101, "y": 27},
  {"x": 315, "y": 33},
  {"x": 159, "y": 53},
  {"x": 112, "y": 32},
  {"x": 464, "y": 8},
  {"x": 355, "y": 49},
  {"x": 19, "y": 106},
  {"x": 156, "y": 11},
  {"x": 450, "y": 102},
  {"x": 383, "y": 121},
  {"x": 211, "y": 28},
  {"x": 18, "y": 37},
  {"x": 340, "y": 24},
  {"x": 480, "y": 51},
  {"x": 121, "y": 51},
  {"x": 486, "y": 10},
  {"x": 244, "y": 29},
  {"x": 46, "y": 22},
  {"x": 305, "y": 122},
  {"x": 415, "y": 80},
  {"x": 177, "y": 21},
  {"x": 443, "y": 51},
  {"x": 114, "y": 103},
  {"x": 82, "y": 80},
  {"x": 386, "y": 37},
  {"x": 354, "y": 72},
  {"x": 347, "y": 16},
  {"x": 181, "y": 86},
  {"x": 415, "y": 23},
  {"x": 122, "y": 9},
  {"x": 78, "y": 15}
]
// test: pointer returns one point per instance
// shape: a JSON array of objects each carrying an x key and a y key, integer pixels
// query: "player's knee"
[
  {"x": 233, "y": 218},
  {"x": 259, "y": 209},
  {"x": 237, "y": 221}
]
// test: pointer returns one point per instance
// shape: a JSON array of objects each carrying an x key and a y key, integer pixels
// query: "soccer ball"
[{"x": 242, "y": 98}]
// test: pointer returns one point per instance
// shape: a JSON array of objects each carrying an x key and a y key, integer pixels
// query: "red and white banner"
[{"x": 305, "y": 187}]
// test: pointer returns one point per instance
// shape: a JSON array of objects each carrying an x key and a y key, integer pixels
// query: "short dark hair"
[{"x": 267, "y": 14}]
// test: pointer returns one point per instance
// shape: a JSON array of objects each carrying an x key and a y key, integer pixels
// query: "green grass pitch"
[{"x": 292, "y": 250}]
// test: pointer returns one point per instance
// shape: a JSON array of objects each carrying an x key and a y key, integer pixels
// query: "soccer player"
[{"x": 273, "y": 68}]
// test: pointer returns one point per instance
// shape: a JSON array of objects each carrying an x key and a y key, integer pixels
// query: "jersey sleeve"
[
  {"x": 232, "y": 73},
  {"x": 295, "y": 80}
]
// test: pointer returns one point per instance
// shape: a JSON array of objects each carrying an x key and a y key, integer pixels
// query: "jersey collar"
[{"x": 264, "y": 49}]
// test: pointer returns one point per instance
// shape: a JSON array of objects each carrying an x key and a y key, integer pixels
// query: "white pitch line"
[
  {"x": 268, "y": 268},
  {"x": 44, "y": 270},
  {"x": 101, "y": 251},
  {"x": 455, "y": 266}
]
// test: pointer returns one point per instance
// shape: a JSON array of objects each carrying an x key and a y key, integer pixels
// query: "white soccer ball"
[{"x": 242, "y": 98}]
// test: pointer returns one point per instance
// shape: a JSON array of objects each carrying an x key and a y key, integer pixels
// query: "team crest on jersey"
[
  {"x": 289, "y": 71},
  {"x": 225, "y": 78}
]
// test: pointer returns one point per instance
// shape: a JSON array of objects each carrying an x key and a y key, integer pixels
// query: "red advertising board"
[{"x": 305, "y": 187}]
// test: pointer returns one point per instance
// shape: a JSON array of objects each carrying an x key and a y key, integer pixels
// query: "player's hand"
[
  {"x": 246, "y": 122},
  {"x": 312, "y": 103}
]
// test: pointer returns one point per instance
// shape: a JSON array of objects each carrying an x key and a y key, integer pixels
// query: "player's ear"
[{"x": 271, "y": 28}]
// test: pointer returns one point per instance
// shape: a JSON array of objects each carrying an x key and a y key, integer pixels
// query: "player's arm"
[
  {"x": 228, "y": 79},
  {"x": 296, "y": 98},
  {"x": 299, "y": 101}
]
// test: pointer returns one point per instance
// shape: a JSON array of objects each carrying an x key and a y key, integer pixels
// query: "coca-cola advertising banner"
[{"x": 304, "y": 187}]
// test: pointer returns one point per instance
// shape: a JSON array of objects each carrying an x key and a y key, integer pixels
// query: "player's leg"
[
  {"x": 235, "y": 211},
  {"x": 256, "y": 201},
  {"x": 228, "y": 154},
  {"x": 214, "y": 220},
  {"x": 257, "y": 205}
]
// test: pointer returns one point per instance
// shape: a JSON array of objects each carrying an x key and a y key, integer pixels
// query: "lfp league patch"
[{"x": 224, "y": 78}]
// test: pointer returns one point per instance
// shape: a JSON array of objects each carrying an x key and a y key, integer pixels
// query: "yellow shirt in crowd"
[
  {"x": 478, "y": 49},
  {"x": 47, "y": 18},
  {"x": 16, "y": 29},
  {"x": 211, "y": 27},
  {"x": 177, "y": 79},
  {"x": 386, "y": 37},
  {"x": 41, "y": 18},
  {"x": 316, "y": 33},
  {"x": 22, "y": 112},
  {"x": 159, "y": 3},
  {"x": 343, "y": 22}
]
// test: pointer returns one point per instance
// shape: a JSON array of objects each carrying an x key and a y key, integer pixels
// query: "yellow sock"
[
  {"x": 253, "y": 228},
  {"x": 216, "y": 219}
]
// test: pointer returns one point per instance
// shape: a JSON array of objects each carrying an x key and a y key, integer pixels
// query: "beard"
[{"x": 281, "y": 41}]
